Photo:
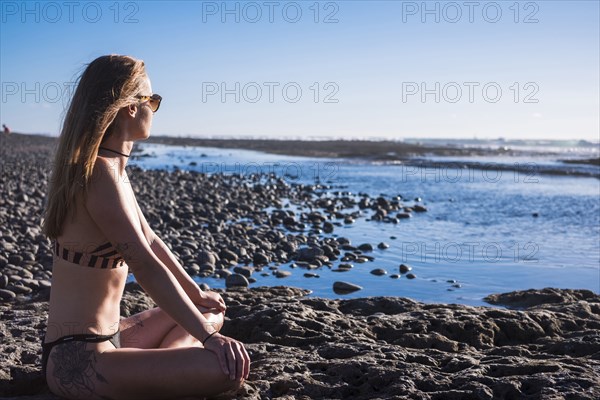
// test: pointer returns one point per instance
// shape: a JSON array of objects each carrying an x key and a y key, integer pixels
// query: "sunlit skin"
[{"x": 159, "y": 357}]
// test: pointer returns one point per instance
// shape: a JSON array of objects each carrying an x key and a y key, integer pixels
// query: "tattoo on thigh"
[
  {"x": 139, "y": 322},
  {"x": 74, "y": 369}
]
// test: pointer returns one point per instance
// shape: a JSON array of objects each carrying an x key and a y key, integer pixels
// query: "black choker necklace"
[{"x": 113, "y": 151}]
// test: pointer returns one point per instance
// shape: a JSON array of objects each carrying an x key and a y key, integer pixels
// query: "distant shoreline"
[
  {"x": 386, "y": 150},
  {"x": 414, "y": 155},
  {"x": 408, "y": 154}
]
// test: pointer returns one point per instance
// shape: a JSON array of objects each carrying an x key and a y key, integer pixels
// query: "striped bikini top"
[{"x": 102, "y": 256}]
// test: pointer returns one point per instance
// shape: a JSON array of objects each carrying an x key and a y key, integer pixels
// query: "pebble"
[
  {"x": 19, "y": 289},
  {"x": 311, "y": 275},
  {"x": 246, "y": 271},
  {"x": 365, "y": 247},
  {"x": 24, "y": 273},
  {"x": 379, "y": 271},
  {"x": 282, "y": 274},
  {"x": 45, "y": 283},
  {"x": 309, "y": 253},
  {"x": 6, "y": 294},
  {"x": 31, "y": 283},
  {"x": 195, "y": 268},
  {"x": 345, "y": 287},
  {"x": 394, "y": 276},
  {"x": 341, "y": 287},
  {"x": 404, "y": 268},
  {"x": 206, "y": 257},
  {"x": 383, "y": 246},
  {"x": 340, "y": 270},
  {"x": 229, "y": 255},
  {"x": 28, "y": 256},
  {"x": 411, "y": 276},
  {"x": 15, "y": 259},
  {"x": 236, "y": 280},
  {"x": 223, "y": 273},
  {"x": 261, "y": 259}
]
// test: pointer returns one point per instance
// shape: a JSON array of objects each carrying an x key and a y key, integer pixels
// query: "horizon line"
[{"x": 337, "y": 138}]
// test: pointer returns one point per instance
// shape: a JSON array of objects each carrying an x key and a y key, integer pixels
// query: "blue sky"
[{"x": 342, "y": 69}]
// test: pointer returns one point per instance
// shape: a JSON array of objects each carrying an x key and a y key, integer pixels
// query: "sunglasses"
[{"x": 153, "y": 101}]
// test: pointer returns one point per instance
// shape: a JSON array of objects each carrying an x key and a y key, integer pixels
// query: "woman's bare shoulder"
[{"x": 105, "y": 173}]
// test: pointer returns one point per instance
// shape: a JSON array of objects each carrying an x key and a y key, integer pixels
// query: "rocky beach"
[{"x": 537, "y": 344}]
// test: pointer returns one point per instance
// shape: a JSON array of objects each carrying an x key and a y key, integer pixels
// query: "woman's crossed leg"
[{"x": 158, "y": 360}]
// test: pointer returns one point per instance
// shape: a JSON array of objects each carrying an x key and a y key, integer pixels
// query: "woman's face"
[{"x": 143, "y": 116}]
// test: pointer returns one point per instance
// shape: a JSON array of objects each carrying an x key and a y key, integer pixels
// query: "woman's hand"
[
  {"x": 209, "y": 300},
  {"x": 233, "y": 357}
]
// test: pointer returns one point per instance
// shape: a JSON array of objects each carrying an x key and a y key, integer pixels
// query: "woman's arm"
[
  {"x": 198, "y": 296},
  {"x": 166, "y": 256},
  {"x": 112, "y": 208}
]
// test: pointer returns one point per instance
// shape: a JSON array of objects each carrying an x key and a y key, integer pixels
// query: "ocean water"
[{"x": 486, "y": 231}]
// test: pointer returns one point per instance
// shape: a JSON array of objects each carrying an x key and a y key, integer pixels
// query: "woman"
[{"x": 99, "y": 233}]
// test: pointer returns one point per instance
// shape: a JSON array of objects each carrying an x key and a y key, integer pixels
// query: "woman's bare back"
[{"x": 85, "y": 299}]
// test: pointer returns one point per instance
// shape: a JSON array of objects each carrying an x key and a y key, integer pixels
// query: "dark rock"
[
  {"x": 15, "y": 259},
  {"x": 19, "y": 289},
  {"x": 6, "y": 294},
  {"x": 236, "y": 280},
  {"x": 282, "y": 274},
  {"x": 223, "y": 273},
  {"x": 309, "y": 253},
  {"x": 246, "y": 271},
  {"x": 261, "y": 259},
  {"x": 365, "y": 247},
  {"x": 228, "y": 255},
  {"x": 3, "y": 281},
  {"x": 379, "y": 271},
  {"x": 345, "y": 287},
  {"x": 534, "y": 297},
  {"x": 206, "y": 257}
]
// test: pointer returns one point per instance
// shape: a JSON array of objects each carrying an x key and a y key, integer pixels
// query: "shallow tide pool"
[{"x": 485, "y": 231}]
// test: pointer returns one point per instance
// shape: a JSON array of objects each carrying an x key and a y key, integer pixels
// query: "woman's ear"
[{"x": 132, "y": 110}]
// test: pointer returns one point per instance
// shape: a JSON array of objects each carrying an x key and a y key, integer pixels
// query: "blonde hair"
[{"x": 107, "y": 84}]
